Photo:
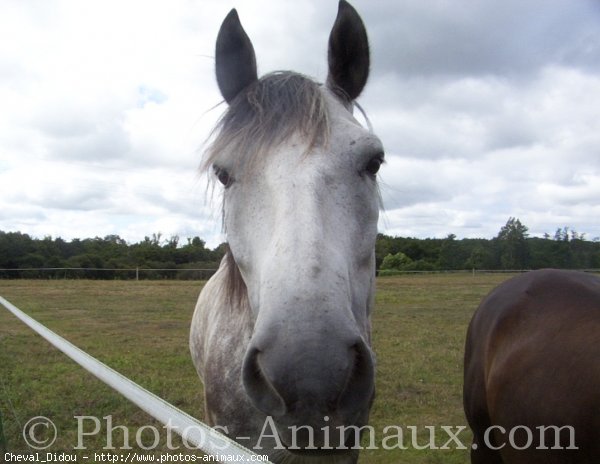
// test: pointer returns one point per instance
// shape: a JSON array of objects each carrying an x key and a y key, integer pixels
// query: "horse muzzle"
[{"x": 318, "y": 391}]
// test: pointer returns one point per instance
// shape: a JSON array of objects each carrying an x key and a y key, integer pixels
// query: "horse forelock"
[{"x": 266, "y": 114}]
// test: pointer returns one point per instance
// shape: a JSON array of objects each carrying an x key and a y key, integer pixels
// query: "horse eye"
[
  {"x": 373, "y": 165},
  {"x": 223, "y": 176}
]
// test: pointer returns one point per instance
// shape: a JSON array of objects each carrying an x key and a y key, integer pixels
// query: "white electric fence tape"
[{"x": 193, "y": 431}]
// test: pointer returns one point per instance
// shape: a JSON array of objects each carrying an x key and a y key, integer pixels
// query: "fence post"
[
  {"x": 3, "y": 444},
  {"x": 137, "y": 274}
]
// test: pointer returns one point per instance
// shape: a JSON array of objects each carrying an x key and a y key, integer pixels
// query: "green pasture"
[{"x": 141, "y": 330}]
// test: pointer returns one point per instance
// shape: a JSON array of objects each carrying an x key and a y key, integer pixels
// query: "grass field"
[{"x": 141, "y": 330}]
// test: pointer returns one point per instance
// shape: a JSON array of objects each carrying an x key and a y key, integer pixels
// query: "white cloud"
[
  {"x": 478, "y": 150},
  {"x": 485, "y": 112}
]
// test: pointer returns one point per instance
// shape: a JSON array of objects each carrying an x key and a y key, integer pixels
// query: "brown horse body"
[{"x": 532, "y": 371}]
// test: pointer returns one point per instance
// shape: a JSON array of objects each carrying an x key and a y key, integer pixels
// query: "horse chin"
[
  {"x": 315, "y": 456},
  {"x": 345, "y": 454}
]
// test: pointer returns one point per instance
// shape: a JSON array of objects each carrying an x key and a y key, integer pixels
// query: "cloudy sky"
[{"x": 487, "y": 109}]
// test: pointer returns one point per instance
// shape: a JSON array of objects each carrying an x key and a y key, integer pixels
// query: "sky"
[{"x": 487, "y": 110}]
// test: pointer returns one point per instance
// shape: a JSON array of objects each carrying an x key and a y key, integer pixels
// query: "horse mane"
[
  {"x": 265, "y": 114},
  {"x": 233, "y": 284}
]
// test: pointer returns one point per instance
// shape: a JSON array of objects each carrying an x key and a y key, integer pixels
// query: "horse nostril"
[
  {"x": 260, "y": 390},
  {"x": 360, "y": 383}
]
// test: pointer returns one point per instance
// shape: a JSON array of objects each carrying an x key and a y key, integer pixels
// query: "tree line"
[
  {"x": 21, "y": 256},
  {"x": 105, "y": 258},
  {"x": 510, "y": 249}
]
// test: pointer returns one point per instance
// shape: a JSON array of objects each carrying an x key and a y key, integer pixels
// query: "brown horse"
[{"x": 532, "y": 371}]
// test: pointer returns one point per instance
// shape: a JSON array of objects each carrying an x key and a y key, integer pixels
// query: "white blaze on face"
[{"x": 305, "y": 223}]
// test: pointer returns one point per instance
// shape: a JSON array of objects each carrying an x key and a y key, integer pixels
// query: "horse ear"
[
  {"x": 348, "y": 53},
  {"x": 234, "y": 57}
]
